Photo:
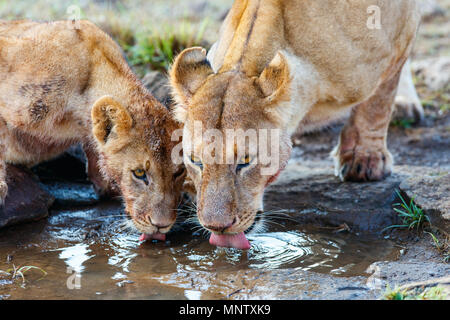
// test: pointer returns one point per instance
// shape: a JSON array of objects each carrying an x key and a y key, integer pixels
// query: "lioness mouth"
[{"x": 238, "y": 240}]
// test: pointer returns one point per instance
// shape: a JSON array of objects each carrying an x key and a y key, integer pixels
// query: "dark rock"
[
  {"x": 71, "y": 194},
  {"x": 158, "y": 84},
  {"x": 313, "y": 195},
  {"x": 26, "y": 200},
  {"x": 69, "y": 166},
  {"x": 432, "y": 194}
]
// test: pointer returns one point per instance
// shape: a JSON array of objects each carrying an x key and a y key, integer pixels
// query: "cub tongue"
[
  {"x": 154, "y": 236},
  {"x": 238, "y": 241}
]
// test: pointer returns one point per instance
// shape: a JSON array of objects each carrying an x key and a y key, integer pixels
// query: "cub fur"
[{"x": 64, "y": 83}]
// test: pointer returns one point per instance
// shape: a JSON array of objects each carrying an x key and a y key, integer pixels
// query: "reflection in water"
[
  {"x": 123, "y": 247},
  {"x": 193, "y": 294},
  {"x": 115, "y": 265},
  {"x": 75, "y": 256}
]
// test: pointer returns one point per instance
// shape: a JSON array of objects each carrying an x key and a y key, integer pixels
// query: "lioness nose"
[{"x": 220, "y": 227}]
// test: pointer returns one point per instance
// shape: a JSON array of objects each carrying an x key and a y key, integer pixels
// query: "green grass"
[
  {"x": 433, "y": 293},
  {"x": 413, "y": 218},
  {"x": 411, "y": 215},
  {"x": 442, "y": 246},
  {"x": 157, "y": 49},
  {"x": 15, "y": 273},
  {"x": 403, "y": 123}
]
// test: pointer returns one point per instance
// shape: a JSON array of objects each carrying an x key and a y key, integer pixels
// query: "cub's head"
[
  {"x": 234, "y": 139},
  {"x": 135, "y": 146}
]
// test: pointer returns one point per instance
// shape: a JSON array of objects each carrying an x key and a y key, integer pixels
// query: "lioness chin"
[
  {"x": 288, "y": 65},
  {"x": 64, "y": 83}
]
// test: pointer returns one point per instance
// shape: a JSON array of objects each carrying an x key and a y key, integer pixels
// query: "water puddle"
[{"x": 87, "y": 256}]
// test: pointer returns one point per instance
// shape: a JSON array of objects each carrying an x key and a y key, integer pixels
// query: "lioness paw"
[
  {"x": 408, "y": 108},
  {"x": 359, "y": 166}
]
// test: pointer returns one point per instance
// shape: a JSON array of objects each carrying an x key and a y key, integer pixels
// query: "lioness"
[
  {"x": 284, "y": 64},
  {"x": 63, "y": 83}
]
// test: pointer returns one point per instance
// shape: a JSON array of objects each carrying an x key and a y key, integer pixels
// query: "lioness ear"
[
  {"x": 188, "y": 73},
  {"x": 274, "y": 81},
  {"x": 109, "y": 119}
]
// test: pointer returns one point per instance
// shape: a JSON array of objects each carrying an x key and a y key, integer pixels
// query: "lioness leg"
[
  {"x": 361, "y": 154},
  {"x": 407, "y": 102}
]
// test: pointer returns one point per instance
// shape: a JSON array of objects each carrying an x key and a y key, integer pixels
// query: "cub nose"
[{"x": 160, "y": 222}]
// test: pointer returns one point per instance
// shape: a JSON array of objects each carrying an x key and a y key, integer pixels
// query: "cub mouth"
[{"x": 154, "y": 236}]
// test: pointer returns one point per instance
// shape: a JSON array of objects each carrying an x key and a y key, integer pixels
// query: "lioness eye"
[
  {"x": 244, "y": 162},
  {"x": 196, "y": 161},
  {"x": 140, "y": 174}
]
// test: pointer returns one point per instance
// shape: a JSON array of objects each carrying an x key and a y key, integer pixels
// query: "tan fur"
[
  {"x": 52, "y": 77},
  {"x": 285, "y": 63}
]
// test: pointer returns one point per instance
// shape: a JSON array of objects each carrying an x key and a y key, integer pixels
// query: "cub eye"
[
  {"x": 196, "y": 161},
  {"x": 140, "y": 174},
  {"x": 244, "y": 162}
]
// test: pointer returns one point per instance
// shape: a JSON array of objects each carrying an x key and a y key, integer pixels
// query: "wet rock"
[
  {"x": 72, "y": 194},
  {"x": 66, "y": 180},
  {"x": 435, "y": 72},
  {"x": 443, "y": 283},
  {"x": 315, "y": 196},
  {"x": 432, "y": 194},
  {"x": 26, "y": 200}
]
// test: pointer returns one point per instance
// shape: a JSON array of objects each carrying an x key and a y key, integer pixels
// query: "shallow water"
[{"x": 87, "y": 256}]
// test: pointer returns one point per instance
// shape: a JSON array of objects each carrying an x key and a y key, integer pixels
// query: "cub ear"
[
  {"x": 275, "y": 79},
  {"x": 109, "y": 120},
  {"x": 188, "y": 73}
]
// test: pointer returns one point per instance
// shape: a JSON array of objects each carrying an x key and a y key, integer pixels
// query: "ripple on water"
[{"x": 112, "y": 256}]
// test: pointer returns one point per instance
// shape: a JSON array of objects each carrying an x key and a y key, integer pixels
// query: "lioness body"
[
  {"x": 284, "y": 64},
  {"x": 52, "y": 77},
  {"x": 333, "y": 53}
]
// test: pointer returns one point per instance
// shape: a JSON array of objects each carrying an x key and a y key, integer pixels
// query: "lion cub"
[{"x": 64, "y": 83}]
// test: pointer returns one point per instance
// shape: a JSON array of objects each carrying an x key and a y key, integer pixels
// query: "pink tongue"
[
  {"x": 238, "y": 241},
  {"x": 155, "y": 236}
]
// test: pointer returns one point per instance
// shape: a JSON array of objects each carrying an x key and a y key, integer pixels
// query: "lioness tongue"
[
  {"x": 155, "y": 236},
  {"x": 238, "y": 241}
]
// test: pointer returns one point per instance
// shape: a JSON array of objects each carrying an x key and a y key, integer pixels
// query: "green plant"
[
  {"x": 158, "y": 49},
  {"x": 412, "y": 216},
  {"x": 442, "y": 247},
  {"x": 403, "y": 123},
  {"x": 433, "y": 293},
  {"x": 394, "y": 294},
  {"x": 16, "y": 272}
]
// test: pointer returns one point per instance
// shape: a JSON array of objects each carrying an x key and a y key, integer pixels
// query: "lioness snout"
[{"x": 220, "y": 227}]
